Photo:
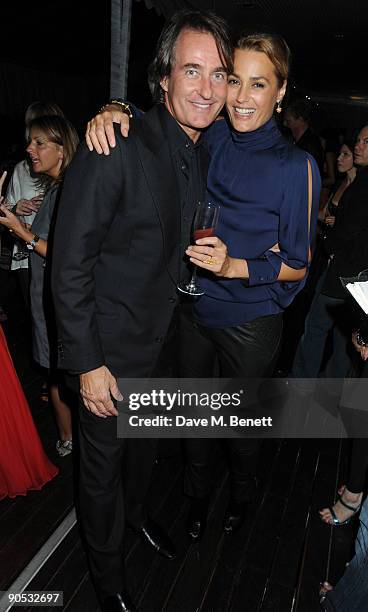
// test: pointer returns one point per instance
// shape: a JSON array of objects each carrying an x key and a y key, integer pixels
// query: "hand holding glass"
[{"x": 204, "y": 225}]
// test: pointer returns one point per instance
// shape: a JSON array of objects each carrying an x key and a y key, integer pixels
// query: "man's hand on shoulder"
[{"x": 96, "y": 389}]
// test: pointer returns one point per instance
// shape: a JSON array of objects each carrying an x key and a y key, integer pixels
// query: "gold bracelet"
[
  {"x": 125, "y": 108},
  {"x": 360, "y": 340}
]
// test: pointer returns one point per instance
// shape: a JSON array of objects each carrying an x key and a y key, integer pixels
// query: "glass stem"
[{"x": 194, "y": 277}]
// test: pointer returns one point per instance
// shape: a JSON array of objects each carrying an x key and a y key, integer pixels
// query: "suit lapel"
[{"x": 158, "y": 168}]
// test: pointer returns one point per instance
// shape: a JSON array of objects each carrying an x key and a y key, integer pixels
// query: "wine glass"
[{"x": 204, "y": 225}]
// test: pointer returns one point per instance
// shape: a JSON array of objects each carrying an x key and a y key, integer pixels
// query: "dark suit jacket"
[{"x": 116, "y": 254}]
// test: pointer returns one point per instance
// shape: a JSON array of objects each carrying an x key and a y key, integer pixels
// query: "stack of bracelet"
[
  {"x": 125, "y": 108},
  {"x": 360, "y": 340}
]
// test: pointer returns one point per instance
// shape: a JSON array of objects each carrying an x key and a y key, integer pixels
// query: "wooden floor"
[{"x": 274, "y": 563}]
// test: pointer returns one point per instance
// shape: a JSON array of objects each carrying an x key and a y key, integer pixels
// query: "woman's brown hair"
[
  {"x": 274, "y": 46},
  {"x": 60, "y": 131}
]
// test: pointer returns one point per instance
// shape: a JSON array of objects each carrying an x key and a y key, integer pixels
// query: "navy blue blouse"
[{"x": 260, "y": 181}]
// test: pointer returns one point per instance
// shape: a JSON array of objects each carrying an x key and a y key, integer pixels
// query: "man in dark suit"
[{"x": 122, "y": 228}]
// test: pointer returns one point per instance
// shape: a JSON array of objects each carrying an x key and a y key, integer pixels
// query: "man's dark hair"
[
  {"x": 349, "y": 142},
  {"x": 301, "y": 107},
  {"x": 208, "y": 23}
]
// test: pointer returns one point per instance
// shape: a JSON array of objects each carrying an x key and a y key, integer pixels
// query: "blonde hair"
[{"x": 274, "y": 46}]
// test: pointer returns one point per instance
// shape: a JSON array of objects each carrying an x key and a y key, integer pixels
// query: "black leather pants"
[{"x": 246, "y": 351}]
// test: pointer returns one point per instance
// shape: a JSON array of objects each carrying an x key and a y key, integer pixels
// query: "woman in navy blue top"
[
  {"x": 261, "y": 183},
  {"x": 258, "y": 260}
]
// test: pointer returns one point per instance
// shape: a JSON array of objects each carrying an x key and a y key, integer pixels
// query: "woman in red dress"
[{"x": 23, "y": 463}]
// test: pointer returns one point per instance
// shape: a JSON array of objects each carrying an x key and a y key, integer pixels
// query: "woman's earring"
[{"x": 278, "y": 109}]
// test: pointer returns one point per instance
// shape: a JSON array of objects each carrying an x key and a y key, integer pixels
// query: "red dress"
[{"x": 23, "y": 463}]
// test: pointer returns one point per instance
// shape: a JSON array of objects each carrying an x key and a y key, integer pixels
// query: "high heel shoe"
[
  {"x": 324, "y": 589},
  {"x": 234, "y": 517},
  {"x": 197, "y": 519},
  {"x": 335, "y": 521}
]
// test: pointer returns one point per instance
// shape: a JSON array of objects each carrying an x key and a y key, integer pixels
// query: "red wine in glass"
[
  {"x": 203, "y": 233},
  {"x": 204, "y": 225}
]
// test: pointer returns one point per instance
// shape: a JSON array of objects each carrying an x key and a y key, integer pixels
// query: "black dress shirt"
[{"x": 190, "y": 162}]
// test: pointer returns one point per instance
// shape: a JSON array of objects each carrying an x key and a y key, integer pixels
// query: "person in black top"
[
  {"x": 347, "y": 248},
  {"x": 298, "y": 119}
]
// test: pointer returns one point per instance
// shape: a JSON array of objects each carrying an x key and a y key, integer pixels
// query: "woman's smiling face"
[{"x": 253, "y": 90}]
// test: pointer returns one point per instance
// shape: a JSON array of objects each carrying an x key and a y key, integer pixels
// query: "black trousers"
[
  {"x": 4, "y": 286},
  {"x": 359, "y": 457},
  {"x": 114, "y": 480},
  {"x": 23, "y": 279},
  {"x": 246, "y": 351},
  {"x": 358, "y": 465},
  {"x": 115, "y": 476}
]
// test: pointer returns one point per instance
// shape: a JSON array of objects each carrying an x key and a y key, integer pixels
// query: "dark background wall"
[{"x": 61, "y": 51}]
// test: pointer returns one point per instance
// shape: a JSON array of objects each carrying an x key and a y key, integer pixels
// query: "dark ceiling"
[
  {"x": 69, "y": 36},
  {"x": 328, "y": 37}
]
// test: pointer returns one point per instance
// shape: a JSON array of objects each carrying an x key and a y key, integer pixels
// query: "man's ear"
[{"x": 165, "y": 83}]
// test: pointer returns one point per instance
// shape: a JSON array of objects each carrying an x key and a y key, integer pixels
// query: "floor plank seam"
[
  {"x": 241, "y": 562},
  {"x": 193, "y": 545}
]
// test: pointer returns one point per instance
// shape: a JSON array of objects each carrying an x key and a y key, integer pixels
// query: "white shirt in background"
[{"x": 21, "y": 186}]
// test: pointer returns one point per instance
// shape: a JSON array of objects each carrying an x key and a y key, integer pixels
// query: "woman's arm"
[
  {"x": 11, "y": 221},
  {"x": 212, "y": 254},
  {"x": 286, "y": 261},
  {"x": 100, "y": 134},
  {"x": 100, "y": 130}
]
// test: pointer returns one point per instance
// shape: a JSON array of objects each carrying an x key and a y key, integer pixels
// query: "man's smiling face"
[{"x": 196, "y": 89}]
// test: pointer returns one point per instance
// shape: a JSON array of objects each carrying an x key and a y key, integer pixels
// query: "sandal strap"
[
  {"x": 336, "y": 521},
  {"x": 352, "y": 508},
  {"x": 323, "y": 592}
]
